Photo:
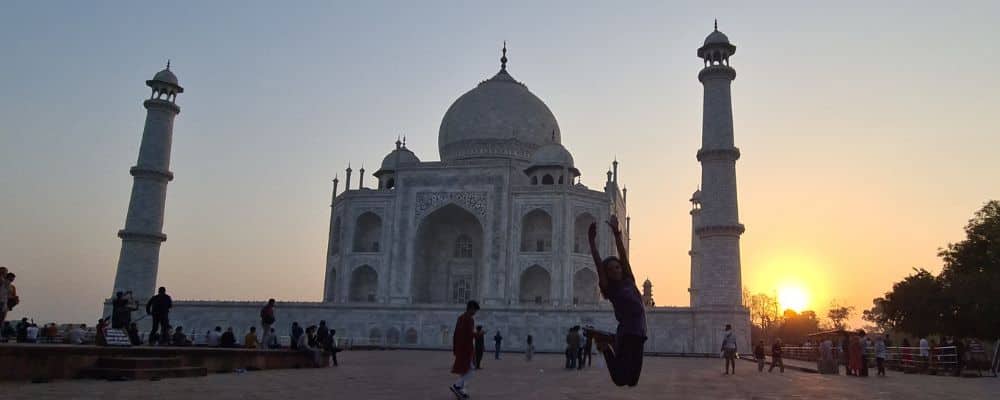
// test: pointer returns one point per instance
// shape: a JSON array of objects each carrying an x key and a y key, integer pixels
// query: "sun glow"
[{"x": 793, "y": 298}]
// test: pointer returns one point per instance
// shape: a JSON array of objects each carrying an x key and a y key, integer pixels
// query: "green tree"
[
  {"x": 914, "y": 305},
  {"x": 971, "y": 277},
  {"x": 796, "y": 326}
]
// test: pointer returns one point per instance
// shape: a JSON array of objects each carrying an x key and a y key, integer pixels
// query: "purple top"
[{"x": 629, "y": 310}]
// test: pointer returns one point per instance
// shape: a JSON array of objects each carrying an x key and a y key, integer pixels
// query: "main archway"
[{"x": 448, "y": 255}]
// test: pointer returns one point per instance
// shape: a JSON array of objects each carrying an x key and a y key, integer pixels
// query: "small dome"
[
  {"x": 553, "y": 154},
  {"x": 716, "y": 37},
  {"x": 166, "y": 76},
  {"x": 696, "y": 196},
  {"x": 399, "y": 156}
]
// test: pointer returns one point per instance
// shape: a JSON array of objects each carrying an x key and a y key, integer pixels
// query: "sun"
[{"x": 793, "y": 298}]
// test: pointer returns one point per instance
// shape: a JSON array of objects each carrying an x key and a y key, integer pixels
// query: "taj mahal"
[{"x": 501, "y": 217}]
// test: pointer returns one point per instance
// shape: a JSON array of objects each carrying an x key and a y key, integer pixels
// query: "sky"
[{"x": 868, "y": 130}]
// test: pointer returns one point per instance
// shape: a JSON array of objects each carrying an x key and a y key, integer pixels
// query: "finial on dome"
[
  {"x": 168, "y": 64},
  {"x": 398, "y": 143},
  {"x": 716, "y": 24},
  {"x": 503, "y": 57}
]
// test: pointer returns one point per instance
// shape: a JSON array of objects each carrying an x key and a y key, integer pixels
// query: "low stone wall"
[
  {"x": 33, "y": 361},
  {"x": 671, "y": 330}
]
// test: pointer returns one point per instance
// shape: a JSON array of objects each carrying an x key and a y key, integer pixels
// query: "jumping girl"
[{"x": 622, "y": 350}]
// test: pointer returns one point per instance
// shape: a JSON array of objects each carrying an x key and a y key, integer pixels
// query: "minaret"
[
  {"x": 142, "y": 236},
  {"x": 647, "y": 294},
  {"x": 347, "y": 184},
  {"x": 361, "y": 177},
  {"x": 718, "y": 227}
]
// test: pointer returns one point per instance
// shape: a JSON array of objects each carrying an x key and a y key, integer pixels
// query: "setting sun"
[{"x": 793, "y": 298}]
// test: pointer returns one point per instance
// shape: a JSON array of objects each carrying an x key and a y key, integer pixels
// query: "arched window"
[
  {"x": 411, "y": 336},
  {"x": 461, "y": 291},
  {"x": 585, "y": 287},
  {"x": 390, "y": 184},
  {"x": 364, "y": 285},
  {"x": 463, "y": 247},
  {"x": 547, "y": 180},
  {"x": 335, "y": 242},
  {"x": 535, "y": 285},
  {"x": 581, "y": 243},
  {"x": 367, "y": 232},
  {"x": 536, "y": 231}
]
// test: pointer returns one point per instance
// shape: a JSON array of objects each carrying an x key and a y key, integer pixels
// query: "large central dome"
[{"x": 499, "y": 118}]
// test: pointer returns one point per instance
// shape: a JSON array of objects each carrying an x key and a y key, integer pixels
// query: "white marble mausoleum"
[{"x": 501, "y": 217}]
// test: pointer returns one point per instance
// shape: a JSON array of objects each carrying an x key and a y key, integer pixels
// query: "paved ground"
[{"x": 424, "y": 375}]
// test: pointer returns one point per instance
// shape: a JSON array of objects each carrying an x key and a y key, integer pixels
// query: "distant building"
[
  {"x": 647, "y": 294},
  {"x": 501, "y": 218}
]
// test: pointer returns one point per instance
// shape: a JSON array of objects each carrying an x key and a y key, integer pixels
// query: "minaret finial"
[
  {"x": 168, "y": 64},
  {"x": 398, "y": 143},
  {"x": 503, "y": 58},
  {"x": 716, "y": 24}
]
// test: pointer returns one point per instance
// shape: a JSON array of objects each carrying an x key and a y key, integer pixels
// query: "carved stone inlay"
[{"x": 472, "y": 201}]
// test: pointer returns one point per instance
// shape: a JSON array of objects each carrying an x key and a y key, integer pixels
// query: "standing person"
[
  {"x": 267, "y": 321},
  {"x": 463, "y": 348},
  {"x": 572, "y": 347},
  {"x": 12, "y": 298},
  {"x": 272, "y": 341},
  {"x": 304, "y": 346},
  {"x": 588, "y": 349},
  {"x": 480, "y": 346},
  {"x": 925, "y": 353},
  {"x": 622, "y": 350},
  {"x": 529, "y": 351},
  {"x": 776, "y": 356},
  {"x": 119, "y": 311},
  {"x": 4, "y": 294},
  {"x": 579, "y": 350},
  {"x": 496, "y": 343},
  {"x": 100, "y": 338},
  {"x": 865, "y": 346},
  {"x": 881, "y": 353},
  {"x": 250, "y": 340},
  {"x": 854, "y": 357},
  {"x": 333, "y": 346},
  {"x": 323, "y": 336},
  {"x": 758, "y": 354},
  {"x": 296, "y": 333},
  {"x": 729, "y": 349},
  {"x": 133, "y": 334},
  {"x": 159, "y": 307}
]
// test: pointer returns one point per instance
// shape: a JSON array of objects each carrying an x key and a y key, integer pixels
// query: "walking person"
[
  {"x": 572, "y": 347},
  {"x": 776, "y": 356},
  {"x": 266, "y": 322},
  {"x": 758, "y": 354},
  {"x": 480, "y": 346},
  {"x": 729, "y": 349},
  {"x": 463, "y": 349},
  {"x": 622, "y": 350},
  {"x": 496, "y": 343},
  {"x": 529, "y": 350},
  {"x": 881, "y": 353},
  {"x": 158, "y": 307}
]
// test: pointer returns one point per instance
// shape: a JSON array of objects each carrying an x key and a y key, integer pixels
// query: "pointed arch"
[
  {"x": 367, "y": 232},
  {"x": 536, "y": 285},
  {"x": 581, "y": 224},
  {"x": 536, "y": 231},
  {"x": 364, "y": 285},
  {"x": 448, "y": 256},
  {"x": 585, "y": 287}
]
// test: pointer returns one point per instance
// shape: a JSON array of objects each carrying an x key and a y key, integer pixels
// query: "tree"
[
  {"x": 796, "y": 326},
  {"x": 839, "y": 315},
  {"x": 962, "y": 300}
]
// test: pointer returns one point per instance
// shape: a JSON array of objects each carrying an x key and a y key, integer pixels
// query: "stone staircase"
[{"x": 134, "y": 368}]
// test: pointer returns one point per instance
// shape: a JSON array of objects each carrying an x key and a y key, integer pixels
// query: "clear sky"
[{"x": 868, "y": 130}]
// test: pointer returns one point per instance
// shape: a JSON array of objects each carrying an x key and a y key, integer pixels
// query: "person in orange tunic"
[{"x": 463, "y": 343}]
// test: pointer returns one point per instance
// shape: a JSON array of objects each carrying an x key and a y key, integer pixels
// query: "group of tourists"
[
  {"x": 622, "y": 350},
  {"x": 579, "y": 348}
]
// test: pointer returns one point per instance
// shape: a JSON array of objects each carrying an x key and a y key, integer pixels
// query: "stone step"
[
  {"x": 138, "y": 362},
  {"x": 143, "y": 373}
]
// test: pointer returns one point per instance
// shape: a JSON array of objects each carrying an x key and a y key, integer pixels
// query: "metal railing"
[{"x": 936, "y": 359}]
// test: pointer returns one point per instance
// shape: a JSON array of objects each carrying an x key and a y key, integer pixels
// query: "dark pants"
[
  {"x": 571, "y": 358},
  {"x": 496, "y": 354},
  {"x": 880, "y": 364},
  {"x": 864, "y": 366},
  {"x": 625, "y": 364},
  {"x": 161, "y": 323},
  {"x": 579, "y": 358},
  {"x": 479, "y": 357},
  {"x": 776, "y": 362}
]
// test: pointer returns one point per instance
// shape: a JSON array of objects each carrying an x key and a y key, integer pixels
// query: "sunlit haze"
[{"x": 868, "y": 131}]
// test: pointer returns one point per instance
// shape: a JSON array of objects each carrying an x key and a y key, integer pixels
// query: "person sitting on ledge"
[
  {"x": 250, "y": 340},
  {"x": 180, "y": 338},
  {"x": 214, "y": 337},
  {"x": 304, "y": 346},
  {"x": 228, "y": 339},
  {"x": 77, "y": 333},
  {"x": 272, "y": 341},
  {"x": 622, "y": 350}
]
